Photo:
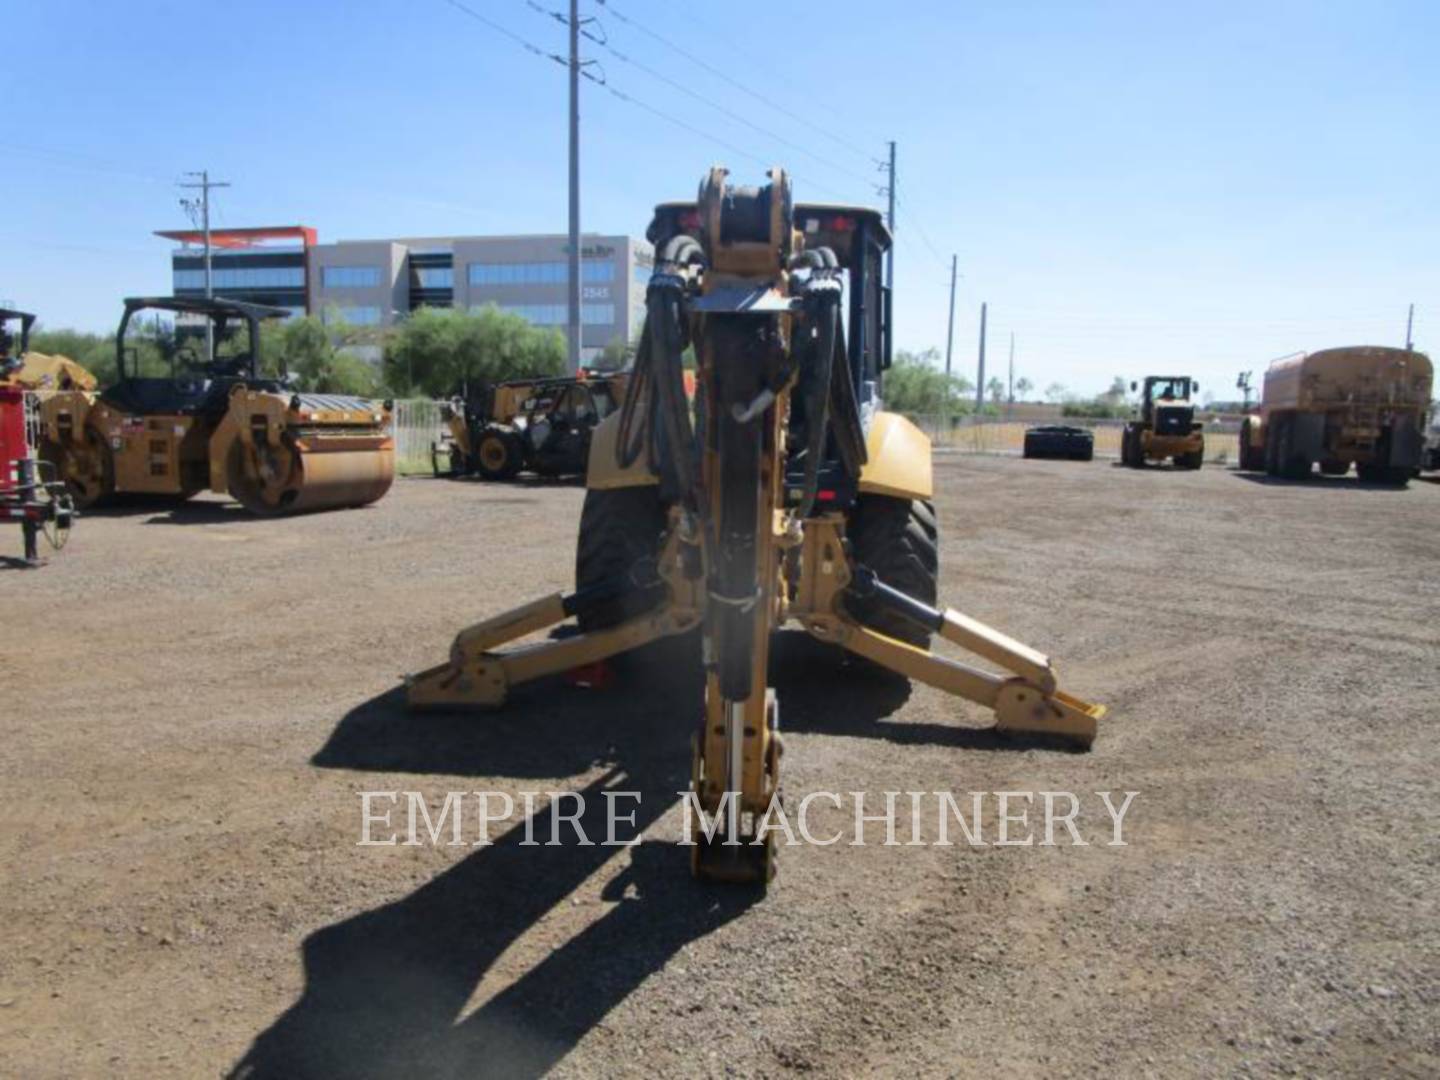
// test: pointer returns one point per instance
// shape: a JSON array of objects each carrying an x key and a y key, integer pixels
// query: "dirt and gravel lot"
[{"x": 193, "y": 700}]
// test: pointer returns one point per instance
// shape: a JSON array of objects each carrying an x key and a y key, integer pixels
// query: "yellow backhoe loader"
[
  {"x": 784, "y": 494},
  {"x": 193, "y": 410}
]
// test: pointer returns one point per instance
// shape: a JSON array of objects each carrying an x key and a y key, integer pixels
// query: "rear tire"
[
  {"x": 499, "y": 454},
  {"x": 899, "y": 540},
  {"x": 1292, "y": 466},
  {"x": 620, "y": 533}
]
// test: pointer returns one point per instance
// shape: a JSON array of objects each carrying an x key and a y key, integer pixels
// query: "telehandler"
[
  {"x": 542, "y": 425},
  {"x": 1166, "y": 426},
  {"x": 786, "y": 494},
  {"x": 213, "y": 420}
]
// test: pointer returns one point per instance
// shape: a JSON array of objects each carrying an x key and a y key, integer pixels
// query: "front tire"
[
  {"x": 899, "y": 540},
  {"x": 499, "y": 455}
]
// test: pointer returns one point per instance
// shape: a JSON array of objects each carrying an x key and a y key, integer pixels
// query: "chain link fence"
[
  {"x": 996, "y": 435},
  {"x": 417, "y": 425}
]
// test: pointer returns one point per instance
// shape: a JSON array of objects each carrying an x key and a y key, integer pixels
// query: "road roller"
[{"x": 192, "y": 410}]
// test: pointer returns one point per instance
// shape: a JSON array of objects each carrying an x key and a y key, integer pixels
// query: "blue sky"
[{"x": 1132, "y": 186}]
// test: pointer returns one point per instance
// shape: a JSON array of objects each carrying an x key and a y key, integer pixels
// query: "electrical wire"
[
  {"x": 768, "y": 100},
  {"x": 603, "y": 42}
]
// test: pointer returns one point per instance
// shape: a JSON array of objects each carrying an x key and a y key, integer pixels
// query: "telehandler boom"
[{"x": 786, "y": 495}]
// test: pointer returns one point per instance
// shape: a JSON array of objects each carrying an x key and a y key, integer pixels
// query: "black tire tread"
[
  {"x": 899, "y": 540},
  {"x": 618, "y": 528}
]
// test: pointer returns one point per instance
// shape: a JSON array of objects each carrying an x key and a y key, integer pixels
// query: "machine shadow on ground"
[
  {"x": 385, "y": 990},
  {"x": 1317, "y": 480}
]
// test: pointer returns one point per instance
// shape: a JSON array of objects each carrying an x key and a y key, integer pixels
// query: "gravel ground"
[{"x": 197, "y": 698}]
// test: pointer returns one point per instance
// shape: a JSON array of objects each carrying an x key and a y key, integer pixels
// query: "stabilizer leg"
[
  {"x": 1025, "y": 701},
  {"x": 475, "y": 675}
]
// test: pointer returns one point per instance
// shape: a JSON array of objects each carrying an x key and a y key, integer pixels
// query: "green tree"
[
  {"x": 996, "y": 389},
  {"x": 313, "y": 355},
  {"x": 441, "y": 351},
  {"x": 1023, "y": 386},
  {"x": 1055, "y": 392},
  {"x": 616, "y": 355},
  {"x": 916, "y": 384}
]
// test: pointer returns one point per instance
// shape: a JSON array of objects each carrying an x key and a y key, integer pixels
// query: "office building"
[{"x": 377, "y": 282}]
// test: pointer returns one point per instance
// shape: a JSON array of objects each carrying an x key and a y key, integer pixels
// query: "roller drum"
[{"x": 314, "y": 480}]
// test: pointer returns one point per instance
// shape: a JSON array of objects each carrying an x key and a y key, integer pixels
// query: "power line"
[
  {"x": 910, "y": 219},
  {"x": 768, "y": 100},
  {"x": 740, "y": 118},
  {"x": 630, "y": 99},
  {"x": 528, "y": 46}
]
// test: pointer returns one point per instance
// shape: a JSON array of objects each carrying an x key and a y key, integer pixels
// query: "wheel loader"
[
  {"x": 1166, "y": 426},
  {"x": 785, "y": 494},
  {"x": 537, "y": 425},
  {"x": 193, "y": 411}
]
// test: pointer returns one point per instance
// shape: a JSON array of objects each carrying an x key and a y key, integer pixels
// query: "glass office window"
[
  {"x": 359, "y": 315},
  {"x": 243, "y": 277},
  {"x": 350, "y": 277},
  {"x": 437, "y": 277},
  {"x": 537, "y": 273},
  {"x": 537, "y": 314},
  {"x": 597, "y": 314}
]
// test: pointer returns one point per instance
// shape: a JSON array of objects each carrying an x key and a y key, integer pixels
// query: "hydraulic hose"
[
  {"x": 824, "y": 301},
  {"x": 659, "y": 381}
]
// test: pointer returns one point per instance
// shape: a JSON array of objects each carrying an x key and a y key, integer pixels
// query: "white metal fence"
[{"x": 417, "y": 425}]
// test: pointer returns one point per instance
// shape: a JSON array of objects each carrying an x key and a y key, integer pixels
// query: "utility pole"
[
  {"x": 574, "y": 275},
  {"x": 950, "y": 334},
  {"x": 1010, "y": 394},
  {"x": 1410, "y": 326},
  {"x": 890, "y": 221},
  {"x": 980, "y": 375},
  {"x": 204, "y": 185}
]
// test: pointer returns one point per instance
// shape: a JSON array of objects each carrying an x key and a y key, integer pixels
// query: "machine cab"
[
  {"x": 859, "y": 240},
  {"x": 1167, "y": 403},
  {"x": 181, "y": 356}
]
